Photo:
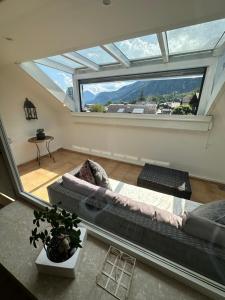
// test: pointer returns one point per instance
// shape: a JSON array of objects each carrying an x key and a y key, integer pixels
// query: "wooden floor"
[{"x": 35, "y": 179}]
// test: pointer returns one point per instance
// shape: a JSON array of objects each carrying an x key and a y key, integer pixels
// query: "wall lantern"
[{"x": 30, "y": 110}]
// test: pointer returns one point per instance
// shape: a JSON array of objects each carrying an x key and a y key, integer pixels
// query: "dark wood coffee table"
[{"x": 165, "y": 180}]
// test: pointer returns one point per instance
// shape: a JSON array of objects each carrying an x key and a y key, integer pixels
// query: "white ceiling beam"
[
  {"x": 117, "y": 54},
  {"x": 50, "y": 63},
  {"x": 174, "y": 64},
  {"x": 163, "y": 44},
  {"x": 219, "y": 50},
  {"x": 82, "y": 60}
]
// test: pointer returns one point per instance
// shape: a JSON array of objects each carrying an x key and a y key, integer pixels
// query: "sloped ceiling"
[{"x": 40, "y": 28}]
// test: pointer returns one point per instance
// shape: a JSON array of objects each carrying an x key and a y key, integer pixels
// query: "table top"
[
  {"x": 35, "y": 140},
  {"x": 165, "y": 176}
]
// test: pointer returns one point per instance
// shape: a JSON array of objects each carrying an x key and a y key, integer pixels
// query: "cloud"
[
  {"x": 66, "y": 78},
  {"x": 97, "y": 55},
  {"x": 197, "y": 37},
  {"x": 97, "y": 88},
  {"x": 146, "y": 46},
  {"x": 63, "y": 80}
]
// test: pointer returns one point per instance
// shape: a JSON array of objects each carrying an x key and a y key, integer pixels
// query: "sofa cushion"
[
  {"x": 100, "y": 175},
  {"x": 86, "y": 173},
  {"x": 95, "y": 196},
  {"x": 98, "y": 197},
  {"x": 207, "y": 222},
  {"x": 78, "y": 185},
  {"x": 170, "y": 203},
  {"x": 214, "y": 211},
  {"x": 155, "y": 213}
]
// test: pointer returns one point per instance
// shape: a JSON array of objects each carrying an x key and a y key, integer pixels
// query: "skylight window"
[
  {"x": 97, "y": 55},
  {"x": 141, "y": 47},
  {"x": 62, "y": 79},
  {"x": 65, "y": 61},
  {"x": 199, "y": 37}
]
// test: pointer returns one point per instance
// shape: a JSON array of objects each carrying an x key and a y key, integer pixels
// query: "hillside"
[
  {"x": 88, "y": 96},
  {"x": 148, "y": 88}
]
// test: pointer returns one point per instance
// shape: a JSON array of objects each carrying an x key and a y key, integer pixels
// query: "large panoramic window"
[{"x": 176, "y": 92}]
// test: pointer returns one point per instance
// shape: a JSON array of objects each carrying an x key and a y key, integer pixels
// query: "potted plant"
[
  {"x": 61, "y": 240},
  {"x": 40, "y": 134}
]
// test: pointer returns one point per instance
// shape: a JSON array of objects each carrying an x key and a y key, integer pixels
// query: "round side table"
[{"x": 47, "y": 141}]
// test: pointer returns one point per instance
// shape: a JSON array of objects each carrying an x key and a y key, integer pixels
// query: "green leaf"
[
  {"x": 74, "y": 216},
  {"x": 64, "y": 213},
  {"x": 42, "y": 236},
  {"x": 36, "y": 214}
]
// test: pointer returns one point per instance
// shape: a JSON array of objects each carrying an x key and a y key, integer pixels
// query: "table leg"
[
  {"x": 38, "y": 155},
  {"x": 48, "y": 149}
]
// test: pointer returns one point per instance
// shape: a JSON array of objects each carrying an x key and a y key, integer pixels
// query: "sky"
[
  {"x": 62, "y": 79},
  {"x": 96, "y": 88},
  {"x": 192, "y": 38}
]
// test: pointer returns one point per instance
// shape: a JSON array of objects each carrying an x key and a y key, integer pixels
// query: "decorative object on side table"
[
  {"x": 40, "y": 134},
  {"x": 61, "y": 244},
  {"x": 117, "y": 272},
  {"x": 30, "y": 110}
]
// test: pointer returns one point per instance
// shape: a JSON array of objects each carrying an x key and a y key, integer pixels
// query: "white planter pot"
[{"x": 67, "y": 268}]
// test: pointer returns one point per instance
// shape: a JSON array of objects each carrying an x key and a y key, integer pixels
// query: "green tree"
[
  {"x": 141, "y": 97},
  {"x": 108, "y": 103},
  {"x": 97, "y": 108},
  {"x": 184, "y": 109},
  {"x": 133, "y": 101}
]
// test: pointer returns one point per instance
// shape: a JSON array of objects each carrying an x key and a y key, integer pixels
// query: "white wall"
[
  {"x": 200, "y": 153},
  {"x": 15, "y": 86}
]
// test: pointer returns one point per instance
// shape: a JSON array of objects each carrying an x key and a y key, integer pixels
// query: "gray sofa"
[{"x": 169, "y": 241}]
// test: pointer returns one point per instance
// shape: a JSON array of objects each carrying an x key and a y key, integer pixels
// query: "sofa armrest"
[{"x": 63, "y": 197}]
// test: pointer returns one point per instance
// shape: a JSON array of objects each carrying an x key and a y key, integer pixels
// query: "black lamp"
[{"x": 30, "y": 110}]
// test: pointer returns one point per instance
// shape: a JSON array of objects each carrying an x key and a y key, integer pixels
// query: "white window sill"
[{"x": 189, "y": 122}]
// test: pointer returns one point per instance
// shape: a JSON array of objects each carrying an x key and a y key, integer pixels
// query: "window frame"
[{"x": 140, "y": 76}]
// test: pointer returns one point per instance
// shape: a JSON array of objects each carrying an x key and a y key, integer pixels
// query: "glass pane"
[
  {"x": 65, "y": 61},
  {"x": 195, "y": 38},
  {"x": 141, "y": 47},
  {"x": 97, "y": 55},
  {"x": 62, "y": 79},
  {"x": 169, "y": 95}
]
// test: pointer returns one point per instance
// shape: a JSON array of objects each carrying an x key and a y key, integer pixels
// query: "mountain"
[
  {"x": 133, "y": 91},
  {"x": 88, "y": 97}
]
